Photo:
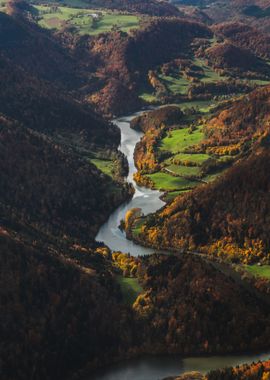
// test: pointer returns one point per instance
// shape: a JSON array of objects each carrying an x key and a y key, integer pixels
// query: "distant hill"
[
  {"x": 231, "y": 58},
  {"x": 149, "y": 7},
  {"x": 36, "y": 51},
  {"x": 124, "y": 60},
  {"x": 245, "y": 36}
]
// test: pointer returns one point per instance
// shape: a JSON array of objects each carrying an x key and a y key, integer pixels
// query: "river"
[
  {"x": 150, "y": 367},
  {"x": 146, "y": 199}
]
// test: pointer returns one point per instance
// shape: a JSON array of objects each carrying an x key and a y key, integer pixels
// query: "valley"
[{"x": 134, "y": 191}]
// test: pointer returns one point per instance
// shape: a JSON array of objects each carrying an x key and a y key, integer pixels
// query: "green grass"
[
  {"x": 260, "y": 271},
  {"x": 130, "y": 288},
  {"x": 177, "y": 85},
  {"x": 164, "y": 181},
  {"x": 195, "y": 158},
  {"x": 185, "y": 171},
  {"x": 210, "y": 76},
  {"x": 81, "y": 19},
  {"x": 137, "y": 228},
  {"x": 178, "y": 140},
  {"x": 173, "y": 194},
  {"x": 147, "y": 97},
  {"x": 259, "y": 82},
  {"x": 202, "y": 106},
  {"x": 211, "y": 177},
  {"x": 106, "y": 166}
]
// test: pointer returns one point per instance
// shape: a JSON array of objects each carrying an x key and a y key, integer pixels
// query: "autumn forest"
[{"x": 134, "y": 189}]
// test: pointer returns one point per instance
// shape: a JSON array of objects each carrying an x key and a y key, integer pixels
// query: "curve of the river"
[
  {"x": 150, "y": 367},
  {"x": 146, "y": 199}
]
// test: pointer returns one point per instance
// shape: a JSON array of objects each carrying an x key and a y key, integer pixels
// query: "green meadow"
[
  {"x": 260, "y": 271},
  {"x": 106, "y": 166},
  {"x": 83, "y": 20},
  {"x": 130, "y": 288},
  {"x": 185, "y": 171},
  {"x": 164, "y": 181},
  {"x": 178, "y": 140},
  {"x": 176, "y": 85},
  {"x": 195, "y": 158}
]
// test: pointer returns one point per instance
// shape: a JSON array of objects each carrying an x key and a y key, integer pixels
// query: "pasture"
[
  {"x": 84, "y": 21},
  {"x": 130, "y": 288}
]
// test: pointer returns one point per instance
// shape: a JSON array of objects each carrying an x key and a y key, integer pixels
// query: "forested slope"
[{"x": 230, "y": 216}]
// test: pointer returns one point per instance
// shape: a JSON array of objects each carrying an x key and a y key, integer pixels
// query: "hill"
[
  {"x": 125, "y": 60},
  {"x": 229, "y": 217},
  {"x": 48, "y": 188},
  {"x": 245, "y": 36},
  {"x": 191, "y": 307},
  {"x": 234, "y": 59},
  {"x": 36, "y": 51},
  {"x": 60, "y": 308}
]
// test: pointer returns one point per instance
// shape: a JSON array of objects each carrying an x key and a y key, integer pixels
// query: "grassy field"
[
  {"x": 106, "y": 166},
  {"x": 185, "y": 171},
  {"x": 197, "y": 158},
  {"x": 82, "y": 20},
  {"x": 203, "y": 106},
  {"x": 130, "y": 288},
  {"x": 164, "y": 181},
  {"x": 147, "y": 97},
  {"x": 210, "y": 76},
  {"x": 172, "y": 194},
  {"x": 178, "y": 140},
  {"x": 177, "y": 85},
  {"x": 137, "y": 228},
  {"x": 260, "y": 271}
]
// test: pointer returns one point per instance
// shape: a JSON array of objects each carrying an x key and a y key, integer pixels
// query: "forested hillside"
[
  {"x": 48, "y": 188},
  {"x": 124, "y": 60},
  {"x": 229, "y": 217}
]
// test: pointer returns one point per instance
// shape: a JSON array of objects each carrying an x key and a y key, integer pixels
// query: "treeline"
[{"x": 254, "y": 371}]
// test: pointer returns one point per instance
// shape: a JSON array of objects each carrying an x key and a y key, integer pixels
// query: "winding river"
[
  {"x": 146, "y": 199},
  {"x": 150, "y": 367}
]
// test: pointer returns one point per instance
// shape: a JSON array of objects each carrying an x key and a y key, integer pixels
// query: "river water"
[
  {"x": 146, "y": 199},
  {"x": 150, "y": 367}
]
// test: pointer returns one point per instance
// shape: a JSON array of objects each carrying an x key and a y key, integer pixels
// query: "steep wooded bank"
[
  {"x": 51, "y": 189},
  {"x": 183, "y": 294},
  {"x": 258, "y": 371},
  {"x": 61, "y": 309}
]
